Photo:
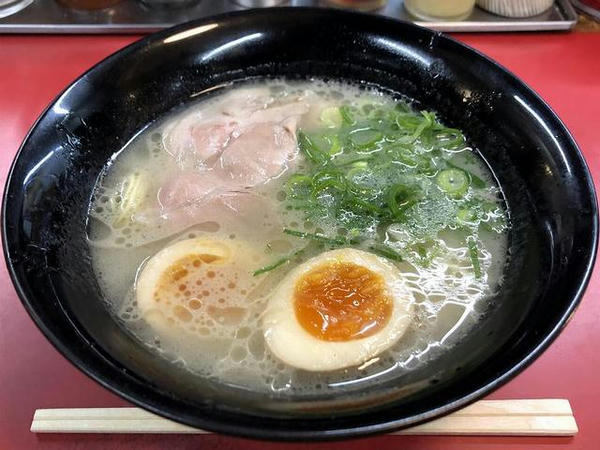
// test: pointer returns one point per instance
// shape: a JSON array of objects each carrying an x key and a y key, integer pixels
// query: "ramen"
[{"x": 296, "y": 236}]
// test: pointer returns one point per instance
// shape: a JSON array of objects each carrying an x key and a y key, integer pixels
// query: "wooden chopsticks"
[{"x": 536, "y": 417}]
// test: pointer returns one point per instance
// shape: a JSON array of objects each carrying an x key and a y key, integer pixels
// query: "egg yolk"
[
  {"x": 342, "y": 302},
  {"x": 176, "y": 283}
]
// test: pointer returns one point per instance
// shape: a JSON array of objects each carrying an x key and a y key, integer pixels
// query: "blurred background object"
[
  {"x": 258, "y": 3},
  {"x": 440, "y": 10},
  {"x": 589, "y": 7},
  {"x": 8, "y": 7},
  {"x": 142, "y": 16},
  {"x": 360, "y": 5},
  {"x": 516, "y": 8},
  {"x": 169, "y": 3},
  {"x": 88, "y": 4}
]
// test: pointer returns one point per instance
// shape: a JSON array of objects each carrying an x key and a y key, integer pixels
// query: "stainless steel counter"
[{"x": 131, "y": 16}]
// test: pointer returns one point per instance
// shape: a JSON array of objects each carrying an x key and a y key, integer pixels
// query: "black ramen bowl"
[{"x": 546, "y": 184}]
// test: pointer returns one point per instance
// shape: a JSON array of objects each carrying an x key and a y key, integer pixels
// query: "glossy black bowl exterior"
[{"x": 544, "y": 177}]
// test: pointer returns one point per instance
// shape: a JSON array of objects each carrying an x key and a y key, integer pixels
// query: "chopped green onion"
[
  {"x": 357, "y": 168},
  {"x": 386, "y": 252},
  {"x": 310, "y": 151},
  {"x": 400, "y": 198},
  {"x": 355, "y": 201},
  {"x": 370, "y": 165},
  {"x": 407, "y": 158},
  {"x": 270, "y": 267},
  {"x": 466, "y": 215},
  {"x": 298, "y": 186},
  {"x": 329, "y": 184},
  {"x": 327, "y": 144},
  {"x": 344, "y": 163},
  {"x": 360, "y": 165},
  {"x": 315, "y": 237},
  {"x": 347, "y": 118},
  {"x": 451, "y": 140},
  {"x": 403, "y": 107},
  {"x": 453, "y": 182},
  {"x": 331, "y": 117},
  {"x": 427, "y": 166},
  {"x": 425, "y": 123},
  {"x": 475, "y": 180},
  {"x": 325, "y": 175},
  {"x": 365, "y": 137},
  {"x": 327, "y": 179},
  {"x": 473, "y": 254},
  {"x": 408, "y": 121},
  {"x": 279, "y": 262}
]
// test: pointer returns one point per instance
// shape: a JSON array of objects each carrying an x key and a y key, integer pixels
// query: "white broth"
[{"x": 259, "y": 191}]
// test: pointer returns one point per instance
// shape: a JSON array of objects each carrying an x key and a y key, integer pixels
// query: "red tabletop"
[{"x": 563, "y": 68}]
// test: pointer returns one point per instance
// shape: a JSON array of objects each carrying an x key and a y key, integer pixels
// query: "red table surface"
[{"x": 563, "y": 68}]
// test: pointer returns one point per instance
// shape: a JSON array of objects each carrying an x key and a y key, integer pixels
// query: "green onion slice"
[{"x": 453, "y": 182}]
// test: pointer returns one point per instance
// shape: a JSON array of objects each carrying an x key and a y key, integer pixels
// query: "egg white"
[
  {"x": 155, "y": 313},
  {"x": 293, "y": 345}
]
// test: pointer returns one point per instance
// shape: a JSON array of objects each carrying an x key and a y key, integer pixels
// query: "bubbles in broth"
[{"x": 207, "y": 215}]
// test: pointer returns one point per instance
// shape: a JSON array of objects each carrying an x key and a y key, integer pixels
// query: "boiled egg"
[
  {"x": 194, "y": 284},
  {"x": 336, "y": 310}
]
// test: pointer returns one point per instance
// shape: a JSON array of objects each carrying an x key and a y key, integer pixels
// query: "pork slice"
[
  {"x": 261, "y": 152},
  {"x": 194, "y": 198},
  {"x": 207, "y": 191},
  {"x": 278, "y": 113},
  {"x": 190, "y": 187},
  {"x": 197, "y": 139},
  {"x": 223, "y": 155},
  {"x": 242, "y": 102},
  {"x": 210, "y": 139},
  {"x": 195, "y": 143}
]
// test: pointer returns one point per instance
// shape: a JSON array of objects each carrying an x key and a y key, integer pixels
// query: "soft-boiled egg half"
[
  {"x": 195, "y": 284},
  {"x": 338, "y": 309}
]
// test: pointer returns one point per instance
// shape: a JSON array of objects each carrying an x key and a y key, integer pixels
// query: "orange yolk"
[
  {"x": 342, "y": 302},
  {"x": 174, "y": 284}
]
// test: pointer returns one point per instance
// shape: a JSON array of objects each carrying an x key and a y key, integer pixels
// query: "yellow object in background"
[{"x": 440, "y": 9}]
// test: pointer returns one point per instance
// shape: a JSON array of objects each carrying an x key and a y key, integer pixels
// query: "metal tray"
[
  {"x": 131, "y": 16},
  {"x": 589, "y": 10}
]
